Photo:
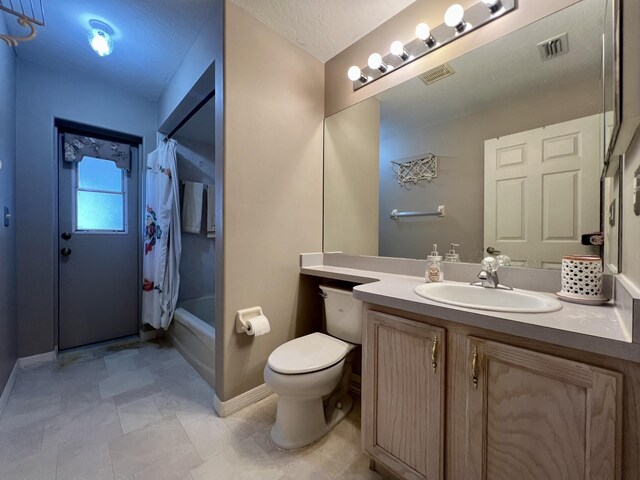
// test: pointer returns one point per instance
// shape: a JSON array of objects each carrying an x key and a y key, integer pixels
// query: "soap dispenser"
[
  {"x": 434, "y": 266},
  {"x": 452, "y": 256}
]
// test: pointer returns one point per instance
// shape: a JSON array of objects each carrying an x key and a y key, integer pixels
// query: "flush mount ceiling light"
[
  {"x": 457, "y": 22},
  {"x": 100, "y": 38},
  {"x": 29, "y": 12}
]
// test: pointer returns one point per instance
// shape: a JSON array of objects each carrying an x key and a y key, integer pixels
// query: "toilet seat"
[{"x": 307, "y": 354}]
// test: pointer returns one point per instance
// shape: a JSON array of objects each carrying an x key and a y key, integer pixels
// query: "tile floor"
[{"x": 140, "y": 411}]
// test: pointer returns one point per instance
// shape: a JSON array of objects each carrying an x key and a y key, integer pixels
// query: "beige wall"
[
  {"x": 338, "y": 89},
  {"x": 459, "y": 145},
  {"x": 272, "y": 192},
  {"x": 630, "y": 116},
  {"x": 630, "y": 222},
  {"x": 611, "y": 193},
  {"x": 630, "y": 75},
  {"x": 351, "y": 160}
]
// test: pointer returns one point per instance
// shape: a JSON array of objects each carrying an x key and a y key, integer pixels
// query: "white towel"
[
  {"x": 211, "y": 211},
  {"x": 192, "y": 207}
]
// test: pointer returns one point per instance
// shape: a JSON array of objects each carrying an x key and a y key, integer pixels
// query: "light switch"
[{"x": 7, "y": 217}]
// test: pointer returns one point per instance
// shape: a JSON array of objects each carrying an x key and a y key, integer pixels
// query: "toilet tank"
[{"x": 343, "y": 314}]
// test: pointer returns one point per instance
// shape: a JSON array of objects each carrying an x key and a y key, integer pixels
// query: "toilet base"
[{"x": 300, "y": 423}]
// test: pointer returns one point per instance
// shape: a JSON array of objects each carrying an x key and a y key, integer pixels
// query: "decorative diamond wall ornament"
[{"x": 415, "y": 170}]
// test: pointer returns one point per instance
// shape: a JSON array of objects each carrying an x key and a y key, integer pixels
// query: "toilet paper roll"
[{"x": 258, "y": 326}]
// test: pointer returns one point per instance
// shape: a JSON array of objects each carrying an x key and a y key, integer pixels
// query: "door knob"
[
  {"x": 66, "y": 236},
  {"x": 492, "y": 251},
  {"x": 65, "y": 252}
]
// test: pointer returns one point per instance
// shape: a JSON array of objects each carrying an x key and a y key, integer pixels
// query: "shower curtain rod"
[{"x": 190, "y": 115}]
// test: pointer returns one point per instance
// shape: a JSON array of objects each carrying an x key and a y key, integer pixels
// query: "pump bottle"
[{"x": 433, "y": 272}]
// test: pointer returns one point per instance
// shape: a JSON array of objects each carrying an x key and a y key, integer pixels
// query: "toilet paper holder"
[{"x": 245, "y": 315}]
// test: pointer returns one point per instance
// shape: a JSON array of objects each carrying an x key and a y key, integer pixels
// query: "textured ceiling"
[
  {"x": 323, "y": 28},
  {"x": 500, "y": 71},
  {"x": 150, "y": 41},
  {"x": 152, "y": 36}
]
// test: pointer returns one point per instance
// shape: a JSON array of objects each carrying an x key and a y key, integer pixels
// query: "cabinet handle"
[
  {"x": 434, "y": 349},
  {"x": 474, "y": 367}
]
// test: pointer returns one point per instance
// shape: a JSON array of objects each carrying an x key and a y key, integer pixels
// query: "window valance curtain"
[{"x": 76, "y": 147}]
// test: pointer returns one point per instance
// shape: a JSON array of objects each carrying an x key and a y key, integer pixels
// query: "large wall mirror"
[{"x": 511, "y": 138}]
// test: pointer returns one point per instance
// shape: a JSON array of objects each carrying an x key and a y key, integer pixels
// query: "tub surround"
[
  {"x": 196, "y": 164},
  {"x": 390, "y": 282},
  {"x": 193, "y": 334}
]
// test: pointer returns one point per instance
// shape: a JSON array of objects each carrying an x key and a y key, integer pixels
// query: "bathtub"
[{"x": 193, "y": 334}]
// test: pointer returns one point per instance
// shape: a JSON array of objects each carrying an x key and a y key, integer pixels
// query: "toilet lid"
[{"x": 307, "y": 354}]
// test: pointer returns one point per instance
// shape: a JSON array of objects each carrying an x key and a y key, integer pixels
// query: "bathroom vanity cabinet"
[
  {"x": 404, "y": 394},
  {"x": 441, "y": 400}
]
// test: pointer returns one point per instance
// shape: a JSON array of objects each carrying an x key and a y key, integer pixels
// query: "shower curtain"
[{"x": 162, "y": 242}]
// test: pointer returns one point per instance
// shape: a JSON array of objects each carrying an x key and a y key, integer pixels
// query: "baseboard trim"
[
  {"x": 39, "y": 358},
  {"x": 224, "y": 409},
  {"x": 4, "y": 398}
]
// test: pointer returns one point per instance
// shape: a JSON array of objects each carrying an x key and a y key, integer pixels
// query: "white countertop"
[{"x": 596, "y": 329}]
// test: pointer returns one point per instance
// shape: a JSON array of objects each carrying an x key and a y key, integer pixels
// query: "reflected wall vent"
[
  {"x": 437, "y": 73},
  {"x": 554, "y": 47}
]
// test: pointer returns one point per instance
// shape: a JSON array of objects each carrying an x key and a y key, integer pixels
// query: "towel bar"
[{"x": 395, "y": 214}]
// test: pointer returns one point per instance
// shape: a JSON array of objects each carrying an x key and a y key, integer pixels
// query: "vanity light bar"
[{"x": 458, "y": 22}]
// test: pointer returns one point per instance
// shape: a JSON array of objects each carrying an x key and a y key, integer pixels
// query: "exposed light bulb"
[
  {"x": 423, "y": 32},
  {"x": 397, "y": 48},
  {"x": 100, "y": 37},
  {"x": 354, "y": 73},
  {"x": 454, "y": 17},
  {"x": 375, "y": 62},
  {"x": 101, "y": 42}
]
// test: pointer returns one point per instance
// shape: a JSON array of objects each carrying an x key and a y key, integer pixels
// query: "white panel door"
[{"x": 541, "y": 191}]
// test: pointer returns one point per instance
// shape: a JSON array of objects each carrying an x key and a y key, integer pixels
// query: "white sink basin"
[{"x": 497, "y": 300}]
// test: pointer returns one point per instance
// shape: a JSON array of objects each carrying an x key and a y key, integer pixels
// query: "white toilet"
[{"x": 311, "y": 374}]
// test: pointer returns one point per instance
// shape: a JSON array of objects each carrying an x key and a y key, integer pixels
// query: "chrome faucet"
[{"x": 488, "y": 276}]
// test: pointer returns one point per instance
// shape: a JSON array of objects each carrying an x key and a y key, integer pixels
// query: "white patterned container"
[{"x": 582, "y": 278}]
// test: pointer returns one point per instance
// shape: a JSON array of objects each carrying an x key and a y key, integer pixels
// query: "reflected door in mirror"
[{"x": 539, "y": 192}]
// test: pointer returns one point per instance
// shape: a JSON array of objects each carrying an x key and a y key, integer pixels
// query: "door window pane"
[
  {"x": 96, "y": 174},
  {"x": 100, "y": 196},
  {"x": 100, "y": 211}
]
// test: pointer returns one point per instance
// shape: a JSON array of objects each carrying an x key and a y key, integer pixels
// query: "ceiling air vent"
[
  {"x": 554, "y": 47},
  {"x": 437, "y": 73}
]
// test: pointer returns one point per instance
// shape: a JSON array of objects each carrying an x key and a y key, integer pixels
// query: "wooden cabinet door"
[
  {"x": 403, "y": 395},
  {"x": 535, "y": 416}
]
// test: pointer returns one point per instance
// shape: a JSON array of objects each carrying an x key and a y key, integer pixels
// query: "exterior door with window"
[{"x": 98, "y": 230}]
